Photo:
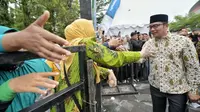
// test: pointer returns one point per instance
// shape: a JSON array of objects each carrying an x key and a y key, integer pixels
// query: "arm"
[
  {"x": 106, "y": 44},
  {"x": 3, "y": 31},
  {"x": 105, "y": 56},
  {"x": 9, "y": 43},
  {"x": 35, "y": 39},
  {"x": 192, "y": 69},
  {"x": 146, "y": 48},
  {"x": 112, "y": 43}
]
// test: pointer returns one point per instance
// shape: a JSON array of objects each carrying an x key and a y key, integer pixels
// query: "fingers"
[
  {"x": 47, "y": 80},
  {"x": 152, "y": 54},
  {"x": 44, "y": 81},
  {"x": 45, "y": 85},
  {"x": 53, "y": 38},
  {"x": 55, "y": 48},
  {"x": 37, "y": 90},
  {"x": 112, "y": 83},
  {"x": 51, "y": 55},
  {"x": 47, "y": 74},
  {"x": 193, "y": 97},
  {"x": 41, "y": 54},
  {"x": 42, "y": 19}
]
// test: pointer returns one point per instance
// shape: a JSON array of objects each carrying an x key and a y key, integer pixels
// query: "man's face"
[
  {"x": 120, "y": 40},
  {"x": 196, "y": 32},
  {"x": 158, "y": 29},
  {"x": 184, "y": 32},
  {"x": 146, "y": 37},
  {"x": 141, "y": 37},
  {"x": 135, "y": 37}
]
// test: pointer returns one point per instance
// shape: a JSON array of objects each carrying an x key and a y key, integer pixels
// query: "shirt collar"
[{"x": 167, "y": 37}]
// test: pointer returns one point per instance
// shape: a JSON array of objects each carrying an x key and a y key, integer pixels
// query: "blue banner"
[{"x": 114, "y": 5}]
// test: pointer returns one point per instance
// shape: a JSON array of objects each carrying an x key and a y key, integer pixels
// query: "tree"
[
  {"x": 20, "y": 13},
  {"x": 61, "y": 13},
  {"x": 101, "y": 4},
  {"x": 190, "y": 21},
  {"x": 4, "y": 13}
]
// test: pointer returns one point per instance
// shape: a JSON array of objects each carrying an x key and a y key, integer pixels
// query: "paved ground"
[{"x": 140, "y": 102}]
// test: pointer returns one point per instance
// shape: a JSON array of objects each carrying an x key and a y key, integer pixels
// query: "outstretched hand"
[
  {"x": 33, "y": 82},
  {"x": 36, "y": 39}
]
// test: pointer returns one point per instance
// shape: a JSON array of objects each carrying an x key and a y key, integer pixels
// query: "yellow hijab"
[{"x": 74, "y": 33}]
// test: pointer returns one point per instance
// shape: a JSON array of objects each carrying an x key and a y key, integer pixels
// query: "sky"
[{"x": 138, "y": 11}]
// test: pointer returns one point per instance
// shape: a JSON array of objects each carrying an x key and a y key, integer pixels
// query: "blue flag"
[
  {"x": 114, "y": 5},
  {"x": 110, "y": 14}
]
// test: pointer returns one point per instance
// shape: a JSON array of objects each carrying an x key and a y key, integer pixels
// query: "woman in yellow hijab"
[{"x": 81, "y": 31}]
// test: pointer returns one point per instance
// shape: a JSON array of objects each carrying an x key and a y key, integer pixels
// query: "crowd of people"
[
  {"x": 194, "y": 36},
  {"x": 174, "y": 66},
  {"x": 23, "y": 84}
]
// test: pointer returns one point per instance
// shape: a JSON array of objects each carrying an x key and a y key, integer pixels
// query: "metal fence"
[
  {"x": 91, "y": 92},
  {"x": 127, "y": 76},
  {"x": 58, "y": 98}
]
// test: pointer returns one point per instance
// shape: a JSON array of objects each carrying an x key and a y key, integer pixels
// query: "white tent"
[
  {"x": 137, "y": 12},
  {"x": 127, "y": 29}
]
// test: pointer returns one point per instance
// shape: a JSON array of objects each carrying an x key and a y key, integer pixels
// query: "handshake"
[{"x": 146, "y": 52}]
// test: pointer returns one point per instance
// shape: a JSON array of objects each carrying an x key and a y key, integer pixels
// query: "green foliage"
[
  {"x": 190, "y": 21},
  {"x": 20, "y": 13},
  {"x": 4, "y": 17},
  {"x": 101, "y": 9}
]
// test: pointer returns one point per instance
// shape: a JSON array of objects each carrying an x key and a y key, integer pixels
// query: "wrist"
[
  {"x": 141, "y": 55},
  {"x": 11, "y": 41},
  {"x": 18, "y": 41},
  {"x": 11, "y": 85}
]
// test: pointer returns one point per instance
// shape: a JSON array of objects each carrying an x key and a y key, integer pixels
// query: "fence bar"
[
  {"x": 84, "y": 78},
  {"x": 54, "y": 99},
  {"x": 15, "y": 57},
  {"x": 61, "y": 107},
  {"x": 85, "y": 9}
]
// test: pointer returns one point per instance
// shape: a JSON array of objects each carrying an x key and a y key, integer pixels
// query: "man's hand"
[
  {"x": 121, "y": 48},
  {"x": 37, "y": 40},
  {"x": 146, "y": 52},
  {"x": 114, "y": 42},
  {"x": 32, "y": 82},
  {"x": 193, "y": 97}
]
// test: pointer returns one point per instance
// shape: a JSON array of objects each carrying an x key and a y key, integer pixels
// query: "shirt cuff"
[
  {"x": 1, "y": 46},
  {"x": 6, "y": 93},
  {"x": 194, "y": 91},
  {"x": 106, "y": 44}
]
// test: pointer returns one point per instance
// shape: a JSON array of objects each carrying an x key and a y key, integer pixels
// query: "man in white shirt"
[{"x": 174, "y": 71}]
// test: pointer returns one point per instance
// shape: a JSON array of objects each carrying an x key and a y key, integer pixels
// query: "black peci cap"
[{"x": 159, "y": 18}]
